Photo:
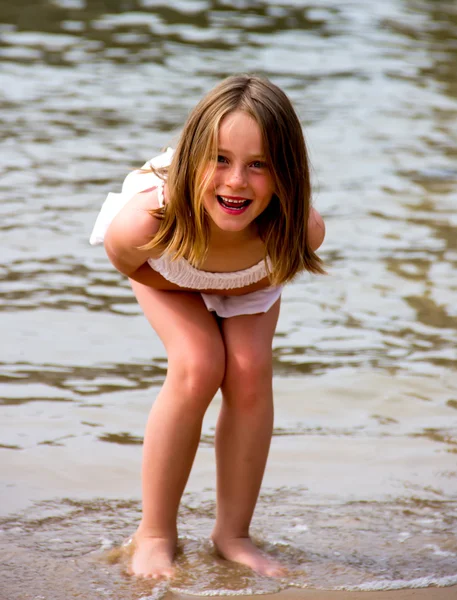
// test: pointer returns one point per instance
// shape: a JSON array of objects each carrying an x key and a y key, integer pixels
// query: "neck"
[{"x": 219, "y": 237}]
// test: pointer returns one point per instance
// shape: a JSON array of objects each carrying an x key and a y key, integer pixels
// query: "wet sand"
[{"x": 432, "y": 593}]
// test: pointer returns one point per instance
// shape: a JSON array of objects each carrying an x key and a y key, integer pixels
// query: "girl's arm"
[
  {"x": 131, "y": 228},
  {"x": 316, "y": 229}
]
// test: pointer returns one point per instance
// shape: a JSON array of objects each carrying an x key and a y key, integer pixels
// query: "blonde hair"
[{"x": 283, "y": 225}]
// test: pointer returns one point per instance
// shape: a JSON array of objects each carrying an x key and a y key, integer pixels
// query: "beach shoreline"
[{"x": 429, "y": 593}]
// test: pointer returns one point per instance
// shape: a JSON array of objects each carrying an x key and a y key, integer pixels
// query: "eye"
[
  {"x": 259, "y": 164},
  {"x": 221, "y": 159}
]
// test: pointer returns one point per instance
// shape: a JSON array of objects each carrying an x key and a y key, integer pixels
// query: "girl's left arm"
[{"x": 316, "y": 229}]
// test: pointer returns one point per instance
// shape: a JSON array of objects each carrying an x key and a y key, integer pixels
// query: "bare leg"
[
  {"x": 196, "y": 364},
  {"x": 243, "y": 436}
]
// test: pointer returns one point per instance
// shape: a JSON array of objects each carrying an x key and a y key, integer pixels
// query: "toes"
[
  {"x": 166, "y": 573},
  {"x": 276, "y": 572},
  {"x": 156, "y": 575}
]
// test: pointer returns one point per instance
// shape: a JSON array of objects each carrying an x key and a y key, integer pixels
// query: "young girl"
[{"x": 208, "y": 236}]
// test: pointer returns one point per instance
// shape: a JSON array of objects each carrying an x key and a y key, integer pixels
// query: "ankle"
[
  {"x": 220, "y": 536},
  {"x": 144, "y": 532}
]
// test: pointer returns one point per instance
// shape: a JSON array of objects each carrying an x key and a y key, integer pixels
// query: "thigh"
[
  {"x": 188, "y": 331},
  {"x": 248, "y": 345}
]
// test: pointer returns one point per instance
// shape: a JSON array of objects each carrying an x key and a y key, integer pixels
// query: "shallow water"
[{"x": 361, "y": 486}]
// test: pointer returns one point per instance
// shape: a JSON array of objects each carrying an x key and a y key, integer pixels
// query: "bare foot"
[
  {"x": 152, "y": 557},
  {"x": 243, "y": 551}
]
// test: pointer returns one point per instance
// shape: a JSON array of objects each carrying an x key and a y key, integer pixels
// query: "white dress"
[{"x": 180, "y": 271}]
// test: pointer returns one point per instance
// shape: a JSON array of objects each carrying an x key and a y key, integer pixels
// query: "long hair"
[{"x": 185, "y": 229}]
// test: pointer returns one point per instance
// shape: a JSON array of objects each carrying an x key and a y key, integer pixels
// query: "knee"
[
  {"x": 248, "y": 378},
  {"x": 197, "y": 373},
  {"x": 253, "y": 366}
]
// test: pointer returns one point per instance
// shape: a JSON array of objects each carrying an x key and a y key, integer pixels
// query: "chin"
[{"x": 232, "y": 227}]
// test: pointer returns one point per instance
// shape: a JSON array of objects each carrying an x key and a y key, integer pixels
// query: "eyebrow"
[{"x": 253, "y": 156}]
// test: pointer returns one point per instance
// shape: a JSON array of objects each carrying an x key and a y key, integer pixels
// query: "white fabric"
[
  {"x": 247, "y": 304},
  {"x": 180, "y": 271},
  {"x": 135, "y": 182}
]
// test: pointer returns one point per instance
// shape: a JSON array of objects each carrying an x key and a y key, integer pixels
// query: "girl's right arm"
[{"x": 130, "y": 229}]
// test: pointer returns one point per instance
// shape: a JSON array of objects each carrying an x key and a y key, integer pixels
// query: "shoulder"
[
  {"x": 316, "y": 229},
  {"x": 135, "y": 224}
]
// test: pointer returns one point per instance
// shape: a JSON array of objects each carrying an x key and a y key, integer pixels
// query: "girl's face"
[{"x": 242, "y": 185}]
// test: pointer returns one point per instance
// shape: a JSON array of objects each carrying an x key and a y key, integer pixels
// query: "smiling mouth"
[{"x": 232, "y": 204}]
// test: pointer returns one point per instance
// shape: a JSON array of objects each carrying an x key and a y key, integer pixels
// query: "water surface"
[{"x": 361, "y": 487}]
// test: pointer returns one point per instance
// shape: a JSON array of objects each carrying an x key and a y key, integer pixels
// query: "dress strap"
[{"x": 160, "y": 195}]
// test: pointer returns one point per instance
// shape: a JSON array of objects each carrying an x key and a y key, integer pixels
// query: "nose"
[{"x": 236, "y": 177}]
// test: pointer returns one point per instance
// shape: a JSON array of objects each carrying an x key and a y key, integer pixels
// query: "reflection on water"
[
  {"x": 80, "y": 382},
  {"x": 145, "y": 31},
  {"x": 365, "y": 359},
  {"x": 411, "y": 539}
]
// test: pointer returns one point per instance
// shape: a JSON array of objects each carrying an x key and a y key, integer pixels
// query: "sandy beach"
[{"x": 432, "y": 593}]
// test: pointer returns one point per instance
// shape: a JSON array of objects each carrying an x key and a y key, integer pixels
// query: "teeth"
[{"x": 231, "y": 201}]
